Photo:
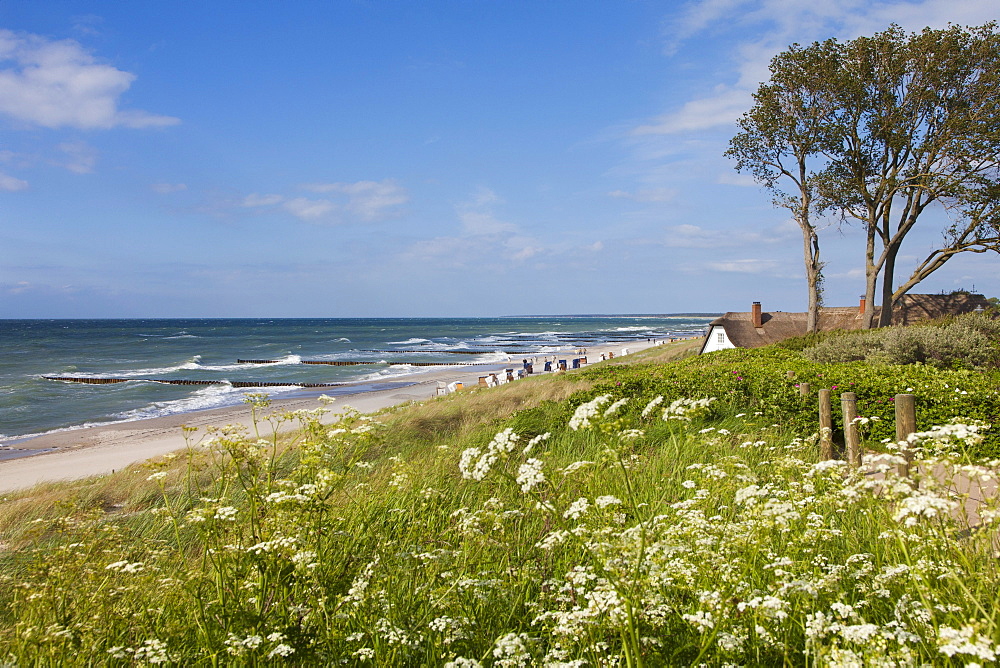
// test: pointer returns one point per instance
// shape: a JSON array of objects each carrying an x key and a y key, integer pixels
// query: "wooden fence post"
[
  {"x": 825, "y": 426},
  {"x": 906, "y": 424},
  {"x": 849, "y": 406},
  {"x": 790, "y": 374},
  {"x": 804, "y": 389}
]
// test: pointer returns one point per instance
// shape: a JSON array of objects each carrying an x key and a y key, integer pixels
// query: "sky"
[{"x": 378, "y": 158}]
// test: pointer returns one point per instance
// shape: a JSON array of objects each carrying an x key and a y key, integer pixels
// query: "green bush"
[{"x": 968, "y": 341}]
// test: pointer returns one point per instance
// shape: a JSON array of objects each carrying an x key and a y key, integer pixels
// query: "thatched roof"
[
  {"x": 779, "y": 325},
  {"x": 914, "y": 308}
]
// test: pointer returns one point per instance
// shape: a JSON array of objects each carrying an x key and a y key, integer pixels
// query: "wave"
[
  {"x": 408, "y": 342},
  {"x": 287, "y": 360},
  {"x": 487, "y": 358},
  {"x": 210, "y": 396},
  {"x": 193, "y": 363}
]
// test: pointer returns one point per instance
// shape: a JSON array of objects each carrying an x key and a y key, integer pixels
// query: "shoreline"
[{"x": 72, "y": 454}]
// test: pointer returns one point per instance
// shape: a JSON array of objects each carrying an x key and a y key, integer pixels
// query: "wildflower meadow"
[{"x": 641, "y": 522}]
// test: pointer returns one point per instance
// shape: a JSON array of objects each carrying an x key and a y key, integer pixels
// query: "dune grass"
[{"x": 532, "y": 524}]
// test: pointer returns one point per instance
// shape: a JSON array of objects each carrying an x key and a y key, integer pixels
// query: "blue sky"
[{"x": 378, "y": 158}]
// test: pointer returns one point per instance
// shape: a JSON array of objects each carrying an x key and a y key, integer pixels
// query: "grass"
[{"x": 531, "y": 524}]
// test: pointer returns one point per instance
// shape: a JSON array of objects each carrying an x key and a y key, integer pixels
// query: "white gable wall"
[{"x": 717, "y": 339}]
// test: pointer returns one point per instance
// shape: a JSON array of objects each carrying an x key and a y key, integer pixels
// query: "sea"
[{"x": 124, "y": 362}]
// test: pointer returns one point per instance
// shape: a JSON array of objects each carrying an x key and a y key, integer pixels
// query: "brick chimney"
[
  {"x": 861, "y": 307},
  {"x": 755, "y": 314}
]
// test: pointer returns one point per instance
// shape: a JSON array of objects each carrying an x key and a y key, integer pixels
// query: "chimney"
[
  {"x": 861, "y": 307},
  {"x": 755, "y": 314}
]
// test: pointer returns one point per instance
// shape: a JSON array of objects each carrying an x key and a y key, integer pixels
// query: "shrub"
[{"x": 967, "y": 341}]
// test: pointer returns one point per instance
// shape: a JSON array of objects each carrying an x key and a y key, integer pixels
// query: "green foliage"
[
  {"x": 800, "y": 343},
  {"x": 969, "y": 341},
  {"x": 756, "y": 380}
]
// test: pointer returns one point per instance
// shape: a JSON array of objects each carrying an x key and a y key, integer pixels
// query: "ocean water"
[{"x": 209, "y": 349}]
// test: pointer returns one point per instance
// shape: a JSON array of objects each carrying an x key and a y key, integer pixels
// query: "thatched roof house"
[{"x": 758, "y": 328}]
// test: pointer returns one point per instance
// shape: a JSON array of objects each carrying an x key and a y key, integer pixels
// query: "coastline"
[{"x": 101, "y": 449}]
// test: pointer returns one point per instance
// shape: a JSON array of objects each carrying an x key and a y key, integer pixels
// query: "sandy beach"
[{"x": 98, "y": 450}]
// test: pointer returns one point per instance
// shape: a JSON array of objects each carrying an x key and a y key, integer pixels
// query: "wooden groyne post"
[
  {"x": 906, "y": 424},
  {"x": 852, "y": 439}
]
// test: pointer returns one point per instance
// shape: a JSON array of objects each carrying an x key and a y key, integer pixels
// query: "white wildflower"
[
  {"x": 702, "y": 620},
  {"x": 577, "y": 509},
  {"x": 125, "y": 567},
  {"x": 651, "y": 405},
  {"x": 530, "y": 475},
  {"x": 584, "y": 412},
  {"x": 607, "y": 500},
  {"x": 555, "y": 538},
  {"x": 462, "y": 662},
  {"x": 281, "y": 650},
  {"x": 511, "y": 650},
  {"x": 576, "y": 466},
  {"x": 686, "y": 409},
  {"x": 922, "y": 504},
  {"x": 966, "y": 641},
  {"x": 535, "y": 441},
  {"x": 613, "y": 408},
  {"x": 152, "y": 651}
]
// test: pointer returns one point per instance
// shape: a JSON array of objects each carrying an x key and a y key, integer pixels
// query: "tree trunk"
[
  {"x": 810, "y": 254},
  {"x": 888, "y": 270},
  {"x": 871, "y": 279}
]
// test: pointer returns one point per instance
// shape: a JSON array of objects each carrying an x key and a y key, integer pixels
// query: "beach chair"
[{"x": 442, "y": 389}]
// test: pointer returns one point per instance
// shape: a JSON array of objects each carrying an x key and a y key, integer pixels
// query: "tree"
[
  {"x": 909, "y": 123},
  {"x": 920, "y": 128},
  {"x": 782, "y": 135}
]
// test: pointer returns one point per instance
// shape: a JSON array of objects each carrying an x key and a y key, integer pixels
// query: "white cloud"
[
  {"x": 693, "y": 236},
  {"x": 168, "y": 188},
  {"x": 80, "y": 157},
  {"x": 857, "y": 272},
  {"x": 11, "y": 184},
  {"x": 255, "y": 200},
  {"x": 483, "y": 223},
  {"x": 362, "y": 200},
  {"x": 744, "y": 266},
  {"x": 58, "y": 84},
  {"x": 646, "y": 194},
  {"x": 723, "y": 108},
  {"x": 736, "y": 179},
  {"x": 309, "y": 209},
  {"x": 484, "y": 239},
  {"x": 16, "y": 288},
  {"x": 477, "y": 216},
  {"x": 369, "y": 200}
]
